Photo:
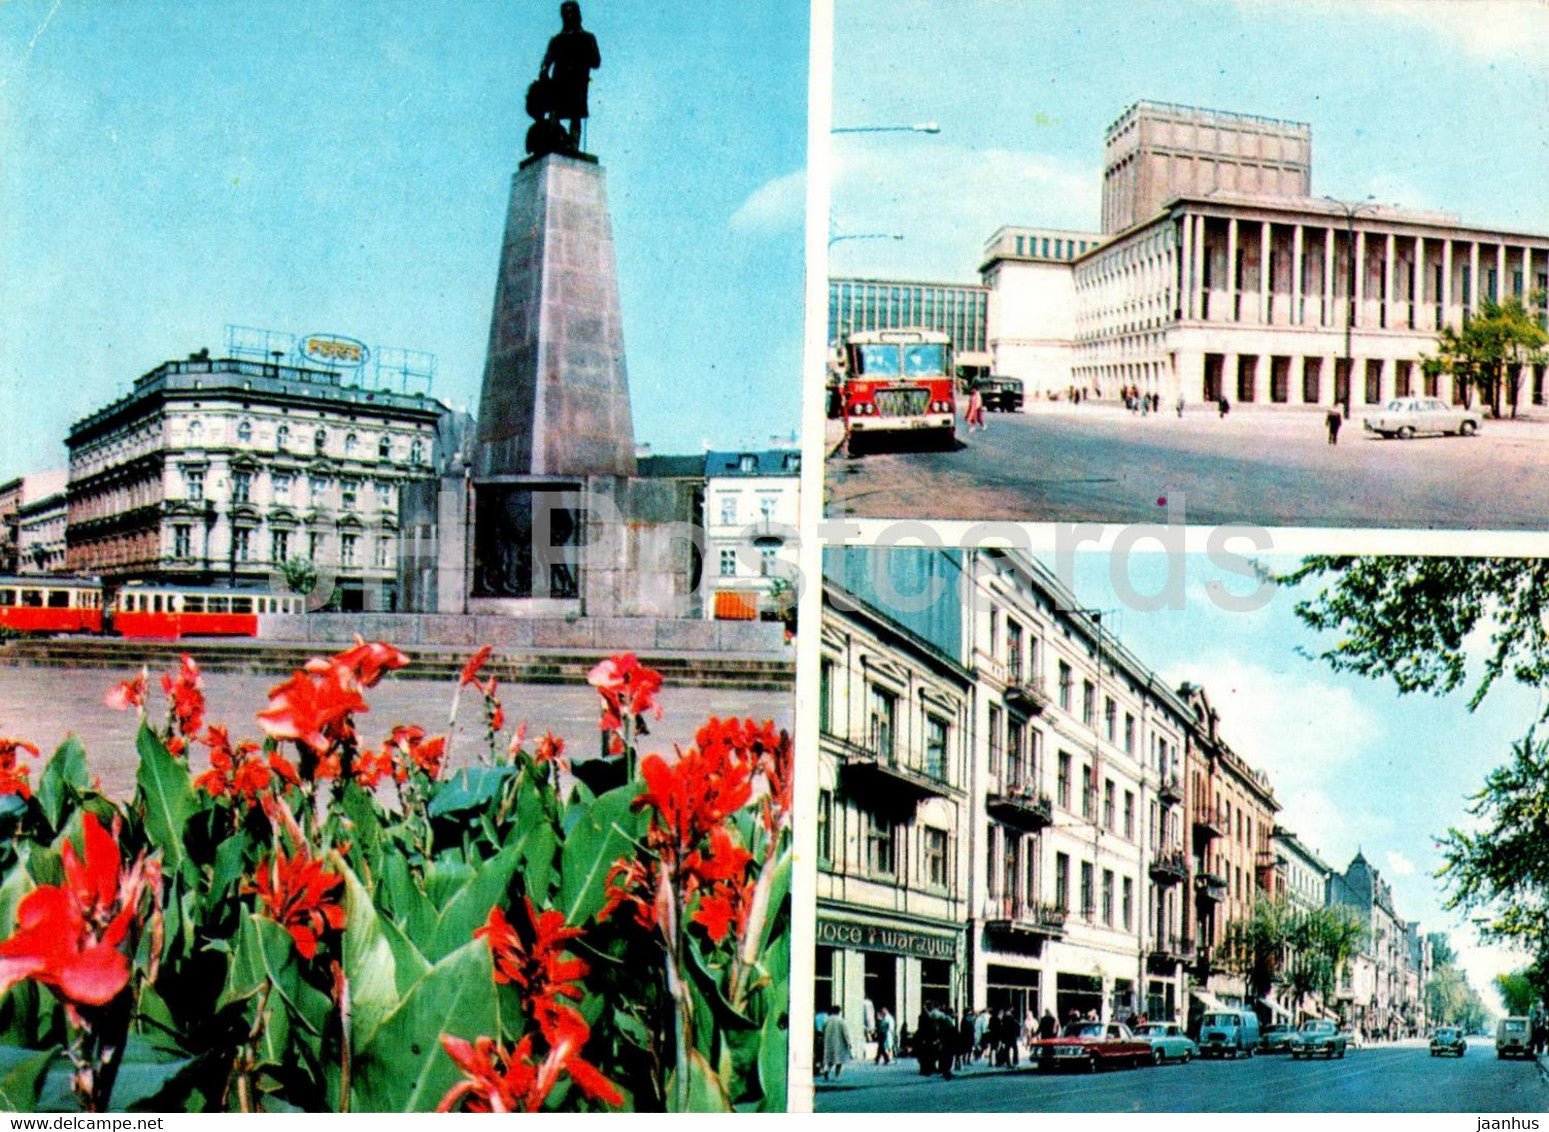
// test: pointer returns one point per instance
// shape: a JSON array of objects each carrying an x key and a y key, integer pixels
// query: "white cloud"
[
  {"x": 776, "y": 206},
  {"x": 1399, "y": 865},
  {"x": 1485, "y": 29}
]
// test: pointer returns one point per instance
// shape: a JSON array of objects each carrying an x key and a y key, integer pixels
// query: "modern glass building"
[{"x": 958, "y": 309}]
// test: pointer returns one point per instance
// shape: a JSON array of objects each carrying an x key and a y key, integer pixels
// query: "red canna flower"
[
  {"x": 314, "y": 706},
  {"x": 243, "y": 771},
  {"x": 293, "y": 891},
  {"x": 694, "y": 794},
  {"x": 471, "y": 669},
  {"x": 366, "y": 661},
  {"x": 68, "y": 935},
  {"x": 416, "y": 752},
  {"x": 13, "y": 775},
  {"x": 500, "y": 1081},
  {"x": 628, "y": 689},
  {"x": 551, "y": 749},
  {"x": 127, "y": 694},
  {"x": 540, "y": 969},
  {"x": 724, "y": 909},
  {"x": 185, "y": 696}
]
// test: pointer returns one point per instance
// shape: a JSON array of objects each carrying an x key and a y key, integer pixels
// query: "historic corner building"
[
  {"x": 1218, "y": 272},
  {"x": 218, "y": 471}
]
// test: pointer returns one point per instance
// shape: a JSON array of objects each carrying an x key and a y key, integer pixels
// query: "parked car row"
[{"x": 1089, "y": 1046}]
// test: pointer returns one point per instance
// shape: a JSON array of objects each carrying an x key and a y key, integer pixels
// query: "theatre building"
[{"x": 894, "y": 720}]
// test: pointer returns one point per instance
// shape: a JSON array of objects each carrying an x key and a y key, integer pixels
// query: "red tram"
[{"x": 48, "y": 604}]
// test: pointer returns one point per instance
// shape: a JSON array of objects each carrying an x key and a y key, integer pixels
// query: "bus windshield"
[
  {"x": 927, "y": 360},
  {"x": 877, "y": 358}
]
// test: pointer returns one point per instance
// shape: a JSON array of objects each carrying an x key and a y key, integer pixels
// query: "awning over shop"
[
  {"x": 736, "y": 605},
  {"x": 1209, "y": 1001}
]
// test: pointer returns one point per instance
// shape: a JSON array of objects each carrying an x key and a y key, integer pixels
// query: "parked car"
[
  {"x": 1276, "y": 1039},
  {"x": 1168, "y": 1042},
  {"x": 1091, "y": 1046},
  {"x": 1001, "y": 393},
  {"x": 1513, "y": 1037},
  {"x": 1404, "y": 417},
  {"x": 1448, "y": 1041},
  {"x": 1319, "y": 1038},
  {"x": 1224, "y": 1033}
]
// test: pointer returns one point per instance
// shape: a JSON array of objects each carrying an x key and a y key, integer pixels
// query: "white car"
[{"x": 1403, "y": 417}]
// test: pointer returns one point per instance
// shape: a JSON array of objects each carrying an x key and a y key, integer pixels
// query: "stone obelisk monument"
[{"x": 555, "y": 400}]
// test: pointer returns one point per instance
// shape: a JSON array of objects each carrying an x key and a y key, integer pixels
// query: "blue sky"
[
  {"x": 1354, "y": 764},
  {"x": 1434, "y": 104},
  {"x": 167, "y": 168}
]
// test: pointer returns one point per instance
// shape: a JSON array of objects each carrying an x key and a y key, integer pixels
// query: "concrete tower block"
[{"x": 555, "y": 400}]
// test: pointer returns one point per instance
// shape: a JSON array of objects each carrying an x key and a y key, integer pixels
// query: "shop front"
[{"x": 863, "y": 966}]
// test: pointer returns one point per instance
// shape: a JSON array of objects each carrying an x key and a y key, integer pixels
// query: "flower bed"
[{"x": 314, "y": 923}]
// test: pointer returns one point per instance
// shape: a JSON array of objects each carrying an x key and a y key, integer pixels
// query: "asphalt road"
[
  {"x": 1267, "y": 467},
  {"x": 1396, "y": 1078}
]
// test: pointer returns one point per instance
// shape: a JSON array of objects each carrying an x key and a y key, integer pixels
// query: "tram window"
[
  {"x": 193, "y": 603},
  {"x": 217, "y": 605},
  {"x": 156, "y": 603},
  {"x": 241, "y": 605},
  {"x": 7, "y": 597},
  {"x": 59, "y": 599},
  {"x": 33, "y": 599}
]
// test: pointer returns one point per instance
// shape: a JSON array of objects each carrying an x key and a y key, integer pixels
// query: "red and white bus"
[
  {"x": 167, "y": 612},
  {"x": 41, "y": 603},
  {"x": 896, "y": 381}
]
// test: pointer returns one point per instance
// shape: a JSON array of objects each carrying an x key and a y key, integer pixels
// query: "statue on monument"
[{"x": 559, "y": 94}]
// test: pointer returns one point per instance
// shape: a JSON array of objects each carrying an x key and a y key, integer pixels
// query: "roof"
[
  {"x": 772, "y": 462},
  {"x": 670, "y": 467}
]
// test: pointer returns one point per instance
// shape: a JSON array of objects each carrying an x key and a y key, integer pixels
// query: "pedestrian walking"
[
  {"x": 836, "y": 1044},
  {"x": 973, "y": 414},
  {"x": 1333, "y": 420},
  {"x": 925, "y": 1041},
  {"x": 1224, "y": 405},
  {"x": 1180, "y": 406},
  {"x": 885, "y": 1036},
  {"x": 1047, "y": 1026},
  {"x": 981, "y": 1033}
]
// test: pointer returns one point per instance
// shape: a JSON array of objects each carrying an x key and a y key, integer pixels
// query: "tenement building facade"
[
  {"x": 222, "y": 471},
  {"x": 1220, "y": 274}
]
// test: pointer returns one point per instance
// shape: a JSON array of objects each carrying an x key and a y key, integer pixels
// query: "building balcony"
[
  {"x": 1210, "y": 822},
  {"x": 1021, "y": 807},
  {"x": 884, "y": 770},
  {"x": 1208, "y": 961},
  {"x": 1023, "y": 923},
  {"x": 1210, "y": 888},
  {"x": 1027, "y": 695},
  {"x": 1170, "y": 867},
  {"x": 1166, "y": 952},
  {"x": 1170, "y": 791}
]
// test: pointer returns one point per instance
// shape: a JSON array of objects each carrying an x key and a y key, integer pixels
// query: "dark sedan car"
[
  {"x": 1319, "y": 1039},
  {"x": 1276, "y": 1039},
  {"x": 1448, "y": 1041}
]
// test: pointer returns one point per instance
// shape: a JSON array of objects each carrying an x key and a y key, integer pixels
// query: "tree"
[
  {"x": 1451, "y": 1001},
  {"x": 1256, "y": 946},
  {"x": 1302, "y": 951},
  {"x": 1518, "y": 994},
  {"x": 1491, "y": 350}
]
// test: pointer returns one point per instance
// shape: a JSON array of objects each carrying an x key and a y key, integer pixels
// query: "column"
[
  {"x": 1419, "y": 312},
  {"x": 1231, "y": 270},
  {"x": 1472, "y": 298},
  {"x": 1501, "y": 290},
  {"x": 1266, "y": 278},
  {"x": 1328, "y": 371},
  {"x": 1201, "y": 252},
  {"x": 1386, "y": 318},
  {"x": 1186, "y": 269},
  {"x": 1298, "y": 252},
  {"x": 1327, "y": 317},
  {"x": 1360, "y": 278},
  {"x": 1446, "y": 282},
  {"x": 1387, "y": 381}
]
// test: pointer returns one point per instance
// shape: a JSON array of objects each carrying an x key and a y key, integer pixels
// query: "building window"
[
  {"x": 728, "y": 509},
  {"x": 826, "y": 696},
  {"x": 1062, "y": 787},
  {"x": 1129, "y": 904},
  {"x": 881, "y": 835},
  {"x": 195, "y": 432},
  {"x": 384, "y": 553},
  {"x": 1088, "y": 793},
  {"x": 1108, "y": 897},
  {"x": 1016, "y": 770},
  {"x": 1013, "y": 652},
  {"x": 935, "y": 857},
  {"x": 347, "y": 549},
  {"x": 936, "y": 743},
  {"x": 1108, "y": 812},
  {"x": 320, "y": 441},
  {"x": 1062, "y": 881},
  {"x": 281, "y": 438},
  {"x": 312, "y": 545},
  {"x": 281, "y": 484},
  {"x": 417, "y": 452},
  {"x": 245, "y": 432},
  {"x": 880, "y": 729},
  {"x": 1088, "y": 898},
  {"x": 384, "y": 448},
  {"x": 1129, "y": 814},
  {"x": 182, "y": 541},
  {"x": 241, "y": 541},
  {"x": 241, "y": 487},
  {"x": 995, "y": 743},
  {"x": 349, "y": 491},
  {"x": 766, "y": 561},
  {"x": 315, "y": 488},
  {"x": 193, "y": 482},
  {"x": 280, "y": 544},
  {"x": 747, "y": 462},
  {"x": 766, "y": 507},
  {"x": 1065, "y": 686},
  {"x": 384, "y": 495},
  {"x": 1110, "y": 719},
  {"x": 351, "y": 443},
  {"x": 1088, "y": 703},
  {"x": 728, "y": 563},
  {"x": 1129, "y": 733},
  {"x": 825, "y": 826}
]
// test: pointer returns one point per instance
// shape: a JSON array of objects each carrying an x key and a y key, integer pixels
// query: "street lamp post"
[
  {"x": 915, "y": 128},
  {"x": 840, "y": 238},
  {"x": 1351, "y": 211}
]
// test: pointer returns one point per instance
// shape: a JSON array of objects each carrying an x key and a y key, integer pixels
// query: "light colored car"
[
  {"x": 1319, "y": 1038},
  {"x": 1405, "y": 417},
  {"x": 1513, "y": 1037},
  {"x": 1168, "y": 1042}
]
